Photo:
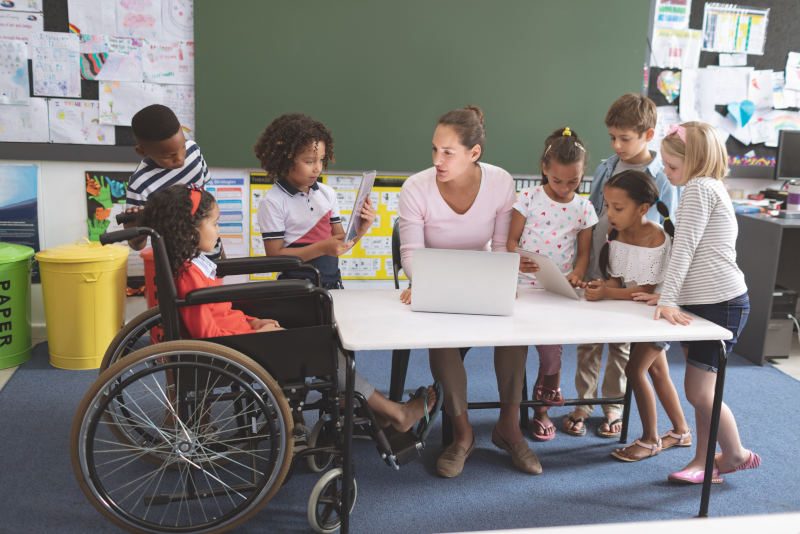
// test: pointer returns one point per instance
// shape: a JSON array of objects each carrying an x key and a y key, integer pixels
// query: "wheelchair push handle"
[
  {"x": 128, "y": 217},
  {"x": 128, "y": 234}
]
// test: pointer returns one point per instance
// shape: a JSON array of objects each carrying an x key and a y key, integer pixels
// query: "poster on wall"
[
  {"x": 19, "y": 222},
  {"x": 232, "y": 197},
  {"x": 105, "y": 199}
]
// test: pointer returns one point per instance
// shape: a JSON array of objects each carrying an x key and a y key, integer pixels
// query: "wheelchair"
[{"x": 184, "y": 435}]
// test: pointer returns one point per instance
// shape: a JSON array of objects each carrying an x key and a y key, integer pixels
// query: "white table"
[{"x": 377, "y": 320}]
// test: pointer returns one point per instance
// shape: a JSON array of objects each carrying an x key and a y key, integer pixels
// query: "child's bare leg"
[
  {"x": 668, "y": 395},
  {"x": 699, "y": 386},
  {"x": 401, "y": 416},
  {"x": 641, "y": 358}
]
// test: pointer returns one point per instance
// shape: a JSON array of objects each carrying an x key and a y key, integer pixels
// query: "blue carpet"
[{"x": 581, "y": 484}]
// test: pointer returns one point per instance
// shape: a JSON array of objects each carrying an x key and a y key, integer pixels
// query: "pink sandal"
[
  {"x": 539, "y": 431},
  {"x": 549, "y": 396},
  {"x": 694, "y": 476},
  {"x": 753, "y": 461},
  {"x": 684, "y": 440}
]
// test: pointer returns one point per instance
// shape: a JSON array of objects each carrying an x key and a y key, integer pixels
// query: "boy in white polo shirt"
[{"x": 300, "y": 216}]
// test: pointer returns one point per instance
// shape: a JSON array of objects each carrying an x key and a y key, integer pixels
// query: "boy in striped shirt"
[{"x": 168, "y": 158}]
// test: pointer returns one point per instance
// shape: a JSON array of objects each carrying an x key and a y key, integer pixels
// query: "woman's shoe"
[
  {"x": 753, "y": 461},
  {"x": 451, "y": 461},
  {"x": 522, "y": 456}
]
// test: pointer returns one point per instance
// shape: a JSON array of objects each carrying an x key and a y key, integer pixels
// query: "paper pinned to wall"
[
  {"x": 107, "y": 58},
  {"x": 177, "y": 18},
  {"x": 675, "y": 49},
  {"x": 732, "y": 60},
  {"x": 759, "y": 89},
  {"x": 734, "y": 29},
  {"x": 56, "y": 65},
  {"x": 666, "y": 117},
  {"x": 78, "y": 122},
  {"x": 180, "y": 99},
  {"x": 169, "y": 63},
  {"x": 793, "y": 71},
  {"x": 14, "y": 82},
  {"x": 673, "y": 13},
  {"x": 139, "y": 18},
  {"x": 20, "y": 26},
  {"x": 22, "y": 5},
  {"x": 119, "y": 101},
  {"x": 25, "y": 123},
  {"x": 90, "y": 17}
]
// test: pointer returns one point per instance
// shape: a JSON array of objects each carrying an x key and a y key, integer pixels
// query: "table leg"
[
  {"x": 397, "y": 382},
  {"x": 347, "y": 448},
  {"x": 447, "y": 429},
  {"x": 523, "y": 410},
  {"x": 712, "y": 433},
  {"x": 626, "y": 412}
]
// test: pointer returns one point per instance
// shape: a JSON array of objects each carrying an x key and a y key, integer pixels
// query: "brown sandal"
[{"x": 622, "y": 454}]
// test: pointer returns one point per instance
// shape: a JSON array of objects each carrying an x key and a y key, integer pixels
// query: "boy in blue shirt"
[{"x": 631, "y": 122}]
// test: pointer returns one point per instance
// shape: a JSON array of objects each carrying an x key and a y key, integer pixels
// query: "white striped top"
[
  {"x": 702, "y": 268},
  {"x": 149, "y": 177}
]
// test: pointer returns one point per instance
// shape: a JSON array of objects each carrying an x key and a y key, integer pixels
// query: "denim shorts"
[
  {"x": 663, "y": 345},
  {"x": 731, "y": 314}
]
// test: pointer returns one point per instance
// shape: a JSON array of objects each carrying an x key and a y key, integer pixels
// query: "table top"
[{"x": 375, "y": 319}]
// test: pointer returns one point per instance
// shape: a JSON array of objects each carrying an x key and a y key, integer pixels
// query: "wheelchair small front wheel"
[
  {"x": 322, "y": 434},
  {"x": 325, "y": 502}
]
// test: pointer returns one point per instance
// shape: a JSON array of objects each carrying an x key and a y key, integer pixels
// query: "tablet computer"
[
  {"x": 550, "y": 276},
  {"x": 367, "y": 181}
]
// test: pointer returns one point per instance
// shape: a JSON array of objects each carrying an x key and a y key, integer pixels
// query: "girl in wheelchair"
[{"x": 187, "y": 218}]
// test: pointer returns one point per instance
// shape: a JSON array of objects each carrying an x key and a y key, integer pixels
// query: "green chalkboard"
[{"x": 379, "y": 73}]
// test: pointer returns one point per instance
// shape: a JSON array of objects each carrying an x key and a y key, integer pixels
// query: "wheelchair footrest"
[{"x": 406, "y": 446}]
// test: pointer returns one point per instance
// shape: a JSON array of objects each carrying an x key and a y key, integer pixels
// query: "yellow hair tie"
[{"x": 567, "y": 132}]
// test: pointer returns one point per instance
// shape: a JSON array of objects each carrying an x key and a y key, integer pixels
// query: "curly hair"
[
  {"x": 169, "y": 212},
  {"x": 287, "y": 136}
]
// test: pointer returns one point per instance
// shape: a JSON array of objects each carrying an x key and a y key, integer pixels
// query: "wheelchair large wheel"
[
  {"x": 325, "y": 502},
  {"x": 133, "y": 336},
  {"x": 222, "y": 438}
]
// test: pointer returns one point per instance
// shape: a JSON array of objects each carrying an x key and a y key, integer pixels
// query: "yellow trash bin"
[{"x": 84, "y": 301}]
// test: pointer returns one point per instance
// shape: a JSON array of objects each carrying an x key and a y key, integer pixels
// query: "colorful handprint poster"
[{"x": 105, "y": 199}]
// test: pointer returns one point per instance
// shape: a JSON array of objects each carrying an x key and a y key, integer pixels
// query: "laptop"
[
  {"x": 550, "y": 276},
  {"x": 464, "y": 281}
]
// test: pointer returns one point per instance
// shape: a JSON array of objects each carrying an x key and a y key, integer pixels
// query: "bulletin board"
[
  {"x": 371, "y": 257},
  {"x": 72, "y": 72},
  {"x": 755, "y": 160}
]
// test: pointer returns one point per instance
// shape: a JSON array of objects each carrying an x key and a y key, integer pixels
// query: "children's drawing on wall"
[{"x": 105, "y": 198}]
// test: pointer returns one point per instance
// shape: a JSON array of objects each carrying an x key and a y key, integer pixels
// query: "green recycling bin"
[{"x": 15, "y": 304}]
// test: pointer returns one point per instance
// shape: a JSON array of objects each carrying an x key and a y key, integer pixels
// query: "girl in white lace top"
[{"x": 634, "y": 260}]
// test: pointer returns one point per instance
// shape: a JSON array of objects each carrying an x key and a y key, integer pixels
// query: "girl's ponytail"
[
  {"x": 604, "y": 253},
  {"x": 664, "y": 212}
]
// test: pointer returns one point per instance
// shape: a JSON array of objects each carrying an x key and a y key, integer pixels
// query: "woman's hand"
[
  {"x": 595, "y": 290},
  {"x": 672, "y": 314},
  {"x": 265, "y": 325},
  {"x": 651, "y": 299},
  {"x": 527, "y": 265},
  {"x": 405, "y": 296},
  {"x": 368, "y": 216}
]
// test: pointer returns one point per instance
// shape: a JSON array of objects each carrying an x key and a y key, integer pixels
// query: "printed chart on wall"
[
  {"x": 19, "y": 223},
  {"x": 232, "y": 199},
  {"x": 105, "y": 199},
  {"x": 371, "y": 257}
]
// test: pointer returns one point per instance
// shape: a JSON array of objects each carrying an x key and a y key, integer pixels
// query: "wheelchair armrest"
[
  {"x": 251, "y": 291},
  {"x": 259, "y": 264}
]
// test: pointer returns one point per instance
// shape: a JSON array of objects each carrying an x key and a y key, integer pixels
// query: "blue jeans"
[{"x": 731, "y": 314}]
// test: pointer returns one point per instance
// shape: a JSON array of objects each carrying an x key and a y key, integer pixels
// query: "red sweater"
[{"x": 208, "y": 320}]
